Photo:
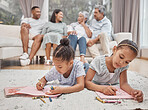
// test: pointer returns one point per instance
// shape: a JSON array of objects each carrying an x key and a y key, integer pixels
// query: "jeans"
[
  {"x": 81, "y": 42},
  {"x": 86, "y": 67}
]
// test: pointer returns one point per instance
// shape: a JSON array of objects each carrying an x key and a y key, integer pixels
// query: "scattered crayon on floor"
[
  {"x": 42, "y": 100},
  {"x": 50, "y": 99}
]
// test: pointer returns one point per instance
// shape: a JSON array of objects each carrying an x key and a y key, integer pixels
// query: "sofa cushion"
[
  {"x": 10, "y": 31},
  {"x": 13, "y": 42},
  {"x": 111, "y": 45},
  {"x": 122, "y": 36},
  {"x": 9, "y": 52},
  {"x": 10, "y": 42}
]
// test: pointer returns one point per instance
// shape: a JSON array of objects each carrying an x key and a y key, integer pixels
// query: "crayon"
[
  {"x": 39, "y": 97},
  {"x": 44, "y": 96},
  {"x": 112, "y": 101},
  {"x": 40, "y": 83},
  {"x": 50, "y": 99},
  {"x": 107, "y": 101},
  {"x": 52, "y": 88},
  {"x": 35, "y": 97},
  {"x": 42, "y": 100},
  {"x": 100, "y": 99},
  {"x": 112, "y": 89}
]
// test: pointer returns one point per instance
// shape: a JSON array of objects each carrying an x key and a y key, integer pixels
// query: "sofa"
[{"x": 11, "y": 45}]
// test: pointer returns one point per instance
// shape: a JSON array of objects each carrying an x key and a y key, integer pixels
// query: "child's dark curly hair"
[{"x": 64, "y": 50}]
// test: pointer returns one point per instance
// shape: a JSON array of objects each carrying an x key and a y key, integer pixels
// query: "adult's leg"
[
  {"x": 94, "y": 51},
  {"x": 82, "y": 48},
  {"x": 73, "y": 41},
  {"x": 35, "y": 46},
  {"x": 25, "y": 38},
  {"x": 104, "y": 40},
  {"x": 54, "y": 46},
  {"x": 48, "y": 50}
]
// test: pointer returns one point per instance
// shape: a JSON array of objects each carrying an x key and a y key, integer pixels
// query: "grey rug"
[{"x": 83, "y": 100}]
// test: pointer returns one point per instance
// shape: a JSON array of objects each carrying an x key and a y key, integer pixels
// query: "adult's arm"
[{"x": 87, "y": 30}]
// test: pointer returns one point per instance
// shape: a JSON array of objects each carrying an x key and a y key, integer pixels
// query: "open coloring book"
[
  {"x": 120, "y": 94},
  {"x": 28, "y": 90}
]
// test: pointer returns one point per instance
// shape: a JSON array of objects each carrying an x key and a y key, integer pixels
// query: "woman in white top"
[{"x": 78, "y": 33}]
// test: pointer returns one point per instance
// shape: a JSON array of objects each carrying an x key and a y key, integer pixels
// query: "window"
[
  {"x": 10, "y": 12},
  {"x": 71, "y": 8}
]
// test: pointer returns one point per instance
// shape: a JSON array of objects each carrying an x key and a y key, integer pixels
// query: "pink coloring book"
[
  {"x": 28, "y": 90},
  {"x": 120, "y": 94}
]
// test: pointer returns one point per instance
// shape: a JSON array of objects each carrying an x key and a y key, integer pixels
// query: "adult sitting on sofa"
[
  {"x": 77, "y": 34},
  {"x": 101, "y": 31},
  {"x": 31, "y": 29}
]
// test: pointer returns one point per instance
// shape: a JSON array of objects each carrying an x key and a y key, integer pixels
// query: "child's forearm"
[
  {"x": 126, "y": 87},
  {"x": 75, "y": 88},
  {"x": 90, "y": 85}
]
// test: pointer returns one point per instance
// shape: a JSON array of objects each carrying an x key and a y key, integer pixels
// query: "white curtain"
[
  {"x": 26, "y": 6},
  {"x": 125, "y": 17}
]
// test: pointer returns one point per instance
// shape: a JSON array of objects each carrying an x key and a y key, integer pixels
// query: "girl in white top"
[
  {"x": 104, "y": 70},
  {"x": 66, "y": 70}
]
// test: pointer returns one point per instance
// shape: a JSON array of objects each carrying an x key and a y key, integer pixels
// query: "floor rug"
[{"x": 83, "y": 100}]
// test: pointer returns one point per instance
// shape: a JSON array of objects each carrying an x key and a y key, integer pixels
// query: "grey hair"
[{"x": 101, "y": 9}]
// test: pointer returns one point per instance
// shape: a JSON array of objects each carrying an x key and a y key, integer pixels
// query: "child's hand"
[
  {"x": 39, "y": 86},
  {"x": 57, "y": 90},
  {"x": 109, "y": 90},
  {"x": 138, "y": 95}
]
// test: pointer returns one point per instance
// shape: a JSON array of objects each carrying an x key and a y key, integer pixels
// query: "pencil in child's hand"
[
  {"x": 112, "y": 89},
  {"x": 52, "y": 88}
]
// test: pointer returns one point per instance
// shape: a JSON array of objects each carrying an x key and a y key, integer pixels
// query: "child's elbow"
[{"x": 81, "y": 87}]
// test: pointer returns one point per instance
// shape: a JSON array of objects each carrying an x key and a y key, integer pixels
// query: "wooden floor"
[{"x": 138, "y": 65}]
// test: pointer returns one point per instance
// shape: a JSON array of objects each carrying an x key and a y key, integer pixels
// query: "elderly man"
[
  {"x": 100, "y": 27},
  {"x": 31, "y": 29},
  {"x": 78, "y": 32}
]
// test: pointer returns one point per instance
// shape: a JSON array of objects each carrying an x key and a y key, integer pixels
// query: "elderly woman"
[
  {"x": 78, "y": 32},
  {"x": 53, "y": 32}
]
